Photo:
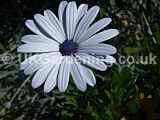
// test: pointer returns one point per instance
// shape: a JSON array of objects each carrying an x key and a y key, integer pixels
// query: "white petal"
[
  {"x": 54, "y": 22},
  {"x": 109, "y": 59},
  {"x": 52, "y": 78},
  {"x": 41, "y": 75},
  {"x": 91, "y": 61},
  {"x": 43, "y": 23},
  {"x": 98, "y": 49},
  {"x": 95, "y": 28},
  {"x": 71, "y": 17},
  {"x": 34, "y": 58},
  {"x": 37, "y": 29},
  {"x": 89, "y": 76},
  {"x": 37, "y": 47},
  {"x": 28, "y": 61},
  {"x": 77, "y": 75},
  {"x": 100, "y": 37},
  {"x": 61, "y": 10},
  {"x": 40, "y": 61},
  {"x": 31, "y": 25},
  {"x": 82, "y": 10},
  {"x": 63, "y": 76},
  {"x": 32, "y": 68},
  {"x": 37, "y": 39},
  {"x": 86, "y": 21}
]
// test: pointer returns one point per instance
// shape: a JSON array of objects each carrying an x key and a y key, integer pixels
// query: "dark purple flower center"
[{"x": 68, "y": 47}]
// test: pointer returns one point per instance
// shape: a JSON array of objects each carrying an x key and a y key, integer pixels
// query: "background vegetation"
[{"x": 124, "y": 91}]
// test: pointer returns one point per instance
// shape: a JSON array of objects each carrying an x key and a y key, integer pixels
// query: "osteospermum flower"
[{"x": 70, "y": 43}]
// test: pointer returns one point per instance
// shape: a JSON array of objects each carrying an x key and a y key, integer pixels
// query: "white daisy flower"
[{"x": 70, "y": 43}]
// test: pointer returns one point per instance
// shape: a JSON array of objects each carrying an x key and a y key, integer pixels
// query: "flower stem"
[
  {"x": 20, "y": 88},
  {"x": 149, "y": 28}
]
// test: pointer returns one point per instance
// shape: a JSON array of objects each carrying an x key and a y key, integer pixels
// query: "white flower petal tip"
[
  {"x": 109, "y": 59},
  {"x": 19, "y": 49},
  {"x": 116, "y": 32},
  {"x": 104, "y": 69},
  {"x": 58, "y": 41},
  {"x": 61, "y": 10}
]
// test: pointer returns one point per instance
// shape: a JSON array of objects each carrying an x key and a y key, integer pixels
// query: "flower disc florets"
[{"x": 68, "y": 47}]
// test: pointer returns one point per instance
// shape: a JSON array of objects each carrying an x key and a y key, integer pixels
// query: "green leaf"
[
  {"x": 134, "y": 51},
  {"x": 110, "y": 114},
  {"x": 2, "y": 48},
  {"x": 4, "y": 74},
  {"x": 113, "y": 3},
  {"x": 158, "y": 36},
  {"x": 119, "y": 96}
]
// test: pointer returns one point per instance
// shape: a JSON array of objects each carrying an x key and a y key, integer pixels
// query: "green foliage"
[{"x": 116, "y": 92}]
